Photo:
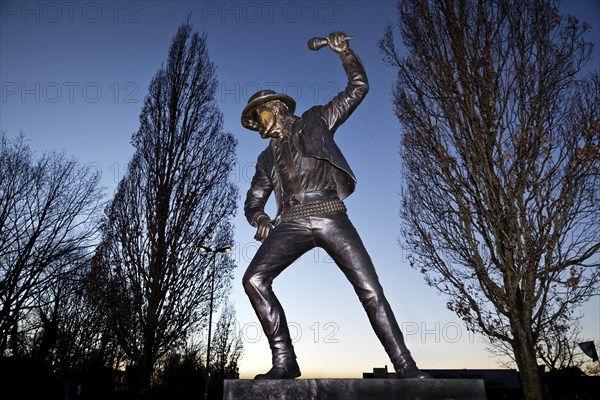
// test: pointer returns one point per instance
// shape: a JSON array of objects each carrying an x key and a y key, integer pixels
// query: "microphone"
[{"x": 318, "y": 43}]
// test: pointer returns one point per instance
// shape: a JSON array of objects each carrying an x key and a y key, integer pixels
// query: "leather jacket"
[{"x": 312, "y": 136}]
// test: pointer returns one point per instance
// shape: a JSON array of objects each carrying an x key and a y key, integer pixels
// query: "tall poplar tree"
[{"x": 177, "y": 195}]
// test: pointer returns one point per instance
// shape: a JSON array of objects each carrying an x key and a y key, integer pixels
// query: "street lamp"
[{"x": 205, "y": 249}]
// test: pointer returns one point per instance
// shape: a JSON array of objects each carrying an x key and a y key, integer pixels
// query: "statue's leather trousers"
[{"x": 338, "y": 237}]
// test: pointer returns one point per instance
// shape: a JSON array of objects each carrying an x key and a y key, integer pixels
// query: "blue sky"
[{"x": 74, "y": 75}]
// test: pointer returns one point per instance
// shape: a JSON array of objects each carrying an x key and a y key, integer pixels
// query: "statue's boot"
[
  {"x": 282, "y": 369},
  {"x": 284, "y": 358},
  {"x": 407, "y": 368},
  {"x": 387, "y": 330}
]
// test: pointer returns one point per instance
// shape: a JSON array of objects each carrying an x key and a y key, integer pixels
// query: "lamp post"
[{"x": 205, "y": 249}]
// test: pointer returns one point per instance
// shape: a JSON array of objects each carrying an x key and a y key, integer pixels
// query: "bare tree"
[
  {"x": 556, "y": 347},
  {"x": 176, "y": 196},
  {"x": 501, "y": 154},
  {"x": 74, "y": 334},
  {"x": 181, "y": 373},
  {"x": 49, "y": 208},
  {"x": 559, "y": 349},
  {"x": 227, "y": 344},
  {"x": 228, "y": 349}
]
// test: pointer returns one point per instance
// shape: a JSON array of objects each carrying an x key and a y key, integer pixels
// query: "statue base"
[{"x": 354, "y": 389}]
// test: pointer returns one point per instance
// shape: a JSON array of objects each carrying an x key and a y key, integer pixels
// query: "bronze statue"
[{"x": 310, "y": 178}]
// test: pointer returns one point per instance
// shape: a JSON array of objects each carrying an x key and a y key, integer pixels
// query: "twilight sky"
[{"x": 74, "y": 75}]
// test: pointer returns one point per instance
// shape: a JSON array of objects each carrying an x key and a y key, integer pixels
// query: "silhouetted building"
[
  {"x": 500, "y": 384},
  {"x": 572, "y": 383}
]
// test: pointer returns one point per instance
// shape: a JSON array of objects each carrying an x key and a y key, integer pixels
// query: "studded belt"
[{"x": 313, "y": 209}]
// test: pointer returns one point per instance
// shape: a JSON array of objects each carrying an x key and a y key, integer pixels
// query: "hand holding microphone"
[{"x": 337, "y": 41}]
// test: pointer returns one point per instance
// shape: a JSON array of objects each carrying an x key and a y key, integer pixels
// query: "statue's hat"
[{"x": 259, "y": 98}]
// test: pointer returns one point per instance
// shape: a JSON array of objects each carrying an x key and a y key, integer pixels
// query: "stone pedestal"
[{"x": 355, "y": 389}]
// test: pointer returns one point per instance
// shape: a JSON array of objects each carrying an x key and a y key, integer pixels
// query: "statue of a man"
[{"x": 310, "y": 178}]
